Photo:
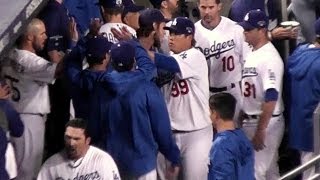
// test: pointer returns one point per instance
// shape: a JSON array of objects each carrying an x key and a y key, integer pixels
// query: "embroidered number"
[
  {"x": 228, "y": 63},
  {"x": 249, "y": 90},
  {"x": 15, "y": 92},
  {"x": 180, "y": 87}
]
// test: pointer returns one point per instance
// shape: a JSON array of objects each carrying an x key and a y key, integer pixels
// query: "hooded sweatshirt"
[
  {"x": 231, "y": 156},
  {"x": 303, "y": 83}
]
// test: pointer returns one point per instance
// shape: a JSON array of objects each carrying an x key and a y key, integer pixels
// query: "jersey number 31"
[{"x": 180, "y": 87}]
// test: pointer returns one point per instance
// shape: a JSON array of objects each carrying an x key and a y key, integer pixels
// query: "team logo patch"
[
  {"x": 119, "y": 2},
  {"x": 249, "y": 72},
  {"x": 272, "y": 75},
  {"x": 183, "y": 55}
]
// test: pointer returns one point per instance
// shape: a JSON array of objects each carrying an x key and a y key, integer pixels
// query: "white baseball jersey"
[
  {"x": 263, "y": 70},
  {"x": 106, "y": 28},
  {"x": 95, "y": 165},
  {"x": 29, "y": 76},
  {"x": 187, "y": 95},
  {"x": 224, "y": 48}
]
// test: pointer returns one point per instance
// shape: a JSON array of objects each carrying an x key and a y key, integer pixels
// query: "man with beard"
[
  {"x": 79, "y": 160},
  {"x": 168, "y": 8},
  {"x": 222, "y": 42},
  {"x": 29, "y": 76}
]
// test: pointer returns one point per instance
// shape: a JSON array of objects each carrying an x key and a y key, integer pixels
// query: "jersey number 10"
[
  {"x": 180, "y": 87},
  {"x": 228, "y": 64}
]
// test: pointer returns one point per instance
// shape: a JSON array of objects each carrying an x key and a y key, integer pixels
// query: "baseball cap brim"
[{"x": 246, "y": 26}]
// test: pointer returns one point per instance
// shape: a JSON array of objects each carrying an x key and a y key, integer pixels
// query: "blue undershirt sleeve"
[
  {"x": 271, "y": 95},
  {"x": 166, "y": 62}
]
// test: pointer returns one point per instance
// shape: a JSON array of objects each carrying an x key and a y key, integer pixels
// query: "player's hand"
[
  {"x": 281, "y": 33},
  {"x": 5, "y": 91},
  {"x": 73, "y": 30},
  {"x": 94, "y": 27},
  {"x": 258, "y": 139},
  {"x": 122, "y": 34},
  {"x": 172, "y": 172}
]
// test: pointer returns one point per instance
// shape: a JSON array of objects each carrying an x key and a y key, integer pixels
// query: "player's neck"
[
  {"x": 146, "y": 42},
  {"x": 260, "y": 43},
  {"x": 115, "y": 19},
  {"x": 316, "y": 44},
  {"x": 166, "y": 13},
  {"x": 97, "y": 67},
  {"x": 27, "y": 47},
  {"x": 213, "y": 24},
  {"x": 225, "y": 126}
]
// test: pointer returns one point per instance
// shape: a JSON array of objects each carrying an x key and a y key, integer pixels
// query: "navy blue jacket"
[
  {"x": 15, "y": 125},
  {"x": 303, "y": 84},
  {"x": 3, "y": 148}
]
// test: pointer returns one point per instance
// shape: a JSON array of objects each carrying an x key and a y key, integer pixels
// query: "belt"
[
  {"x": 257, "y": 116},
  {"x": 221, "y": 89}
]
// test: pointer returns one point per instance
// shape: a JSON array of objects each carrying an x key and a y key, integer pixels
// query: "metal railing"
[{"x": 315, "y": 162}]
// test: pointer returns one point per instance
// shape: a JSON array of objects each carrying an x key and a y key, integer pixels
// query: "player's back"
[
  {"x": 224, "y": 48},
  {"x": 29, "y": 76},
  {"x": 187, "y": 95},
  {"x": 106, "y": 28}
]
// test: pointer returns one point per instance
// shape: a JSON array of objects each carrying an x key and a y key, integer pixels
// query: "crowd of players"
[{"x": 137, "y": 87}]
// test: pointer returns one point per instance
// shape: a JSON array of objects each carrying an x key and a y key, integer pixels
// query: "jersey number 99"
[{"x": 180, "y": 87}]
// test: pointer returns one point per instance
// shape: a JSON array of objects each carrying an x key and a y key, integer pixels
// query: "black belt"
[
  {"x": 257, "y": 116},
  {"x": 221, "y": 89}
]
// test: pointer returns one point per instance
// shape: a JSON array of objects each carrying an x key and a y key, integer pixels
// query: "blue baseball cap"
[
  {"x": 98, "y": 47},
  {"x": 111, "y": 3},
  {"x": 130, "y": 6},
  {"x": 149, "y": 16},
  {"x": 122, "y": 54},
  {"x": 255, "y": 19},
  {"x": 156, "y": 3},
  {"x": 181, "y": 25},
  {"x": 317, "y": 27}
]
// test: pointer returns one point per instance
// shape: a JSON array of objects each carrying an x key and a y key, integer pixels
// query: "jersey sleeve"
[
  {"x": 109, "y": 168},
  {"x": 38, "y": 69},
  {"x": 270, "y": 74},
  {"x": 160, "y": 124},
  {"x": 221, "y": 164},
  {"x": 188, "y": 62}
]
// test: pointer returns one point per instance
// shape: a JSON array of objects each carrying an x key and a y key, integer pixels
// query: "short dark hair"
[
  {"x": 224, "y": 104},
  {"x": 144, "y": 31},
  {"x": 217, "y": 1},
  {"x": 78, "y": 123},
  {"x": 113, "y": 11}
]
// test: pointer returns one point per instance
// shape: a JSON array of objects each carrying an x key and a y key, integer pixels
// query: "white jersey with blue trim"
[
  {"x": 263, "y": 70},
  {"x": 29, "y": 76},
  {"x": 187, "y": 95},
  {"x": 224, "y": 48},
  {"x": 95, "y": 165},
  {"x": 106, "y": 29}
]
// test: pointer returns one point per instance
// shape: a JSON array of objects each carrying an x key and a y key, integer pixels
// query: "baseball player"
[
  {"x": 187, "y": 98},
  {"x": 262, "y": 103},
  {"x": 29, "y": 76},
  {"x": 222, "y": 43},
  {"x": 112, "y": 10},
  {"x": 231, "y": 155},
  {"x": 79, "y": 160}
]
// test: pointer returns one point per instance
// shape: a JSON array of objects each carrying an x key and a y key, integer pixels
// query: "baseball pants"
[
  {"x": 194, "y": 148},
  {"x": 266, "y": 165},
  {"x": 29, "y": 147},
  {"x": 152, "y": 175}
]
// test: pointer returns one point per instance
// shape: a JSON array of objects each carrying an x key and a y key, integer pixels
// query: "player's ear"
[
  {"x": 164, "y": 4},
  {"x": 88, "y": 140},
  {"x": 219, "y": 6}
]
